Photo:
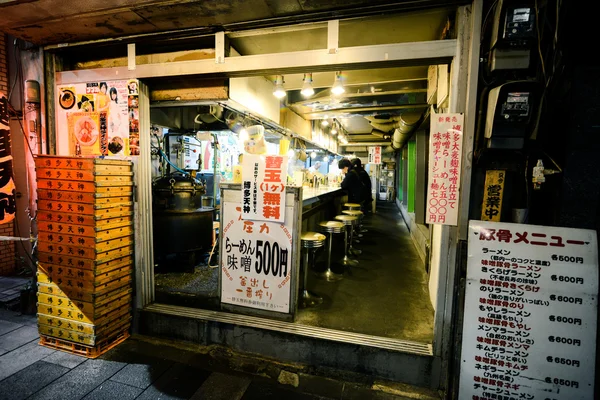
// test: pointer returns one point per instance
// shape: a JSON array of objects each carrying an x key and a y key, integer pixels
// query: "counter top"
[{"x": 311, "y": 195}]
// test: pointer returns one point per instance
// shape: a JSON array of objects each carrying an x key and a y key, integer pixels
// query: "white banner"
[
  {"x": 375, "y": 155},
  {"x": 263, "y": 187},
  {"x": 529, "y": 328},
  {"x": 445, "y": 152},
  {"x": 257, "y": 260}
]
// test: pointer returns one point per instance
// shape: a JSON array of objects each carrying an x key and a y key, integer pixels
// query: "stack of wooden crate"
[{"x": 85, "y": 252}]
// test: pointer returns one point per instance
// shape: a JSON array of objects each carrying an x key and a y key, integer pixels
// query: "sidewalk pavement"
[{"x": 149, "y": 368}]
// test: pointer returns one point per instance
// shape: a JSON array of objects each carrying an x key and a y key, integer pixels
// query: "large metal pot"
[{"x": 177, "y": 192}]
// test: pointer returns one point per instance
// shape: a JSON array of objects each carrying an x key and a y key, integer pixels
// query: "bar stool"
[
  {"x": 331, "y": 227},
  {"x": 311, "y": 241},
  {"x": 352, "y": 206},
  {"x": 349, "y": 221},
  {"x": 360, "y": 215}
]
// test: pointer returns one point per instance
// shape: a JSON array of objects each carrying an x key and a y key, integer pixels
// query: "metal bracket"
[
  {"x": 333, "y": 36},
  {"x": 131, "y": 57},
  {"x": 220, "y": 48}
]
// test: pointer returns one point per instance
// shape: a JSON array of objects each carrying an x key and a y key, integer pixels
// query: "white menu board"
[
  {"x": 529, "y": 327},
  {"x": 375, "y": 155},
  {"x": 263, "y": 187},
  {"x": 445, "y": 153},
  {"x": 256, "y": 260}
]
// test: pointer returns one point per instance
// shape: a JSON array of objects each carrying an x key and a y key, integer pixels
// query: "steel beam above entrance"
[{"x": 346, "y": 58}]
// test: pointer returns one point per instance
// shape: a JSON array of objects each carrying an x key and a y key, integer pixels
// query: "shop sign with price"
[
  {"x": 529, "y": 328},
  {"x": 256, "y": 260}
]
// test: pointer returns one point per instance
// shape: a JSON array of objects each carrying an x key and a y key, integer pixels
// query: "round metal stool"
[
  {"x": 352, "y": 206},
  {"x": 349, "y": 221},
  {"x": 311, "y": 241},
  {"x": 360, "y": 215},
  {"x": 331, "y": 227}
]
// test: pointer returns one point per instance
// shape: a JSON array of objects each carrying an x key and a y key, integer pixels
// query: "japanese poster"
[
  {"x": 7, "y": 185},
  {"x": 375, "y": 155},
  {"x": 263, "y": 187},
  {"x": 445, "y": 152},
  {"x": 529, "y": 328},
  {"x": 257, "y": 260},
  {"x": 98, "y": 119},
  {"x": 493, "y": 191}
]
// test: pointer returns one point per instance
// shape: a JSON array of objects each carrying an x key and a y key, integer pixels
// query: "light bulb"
[
  {"x": 291, "y": 153},
  {"x": 279, "y": 90},
  {"x": 338, "y": 86},
  {"x": 334, "y": 131},
  {"x": 307, "y": 89},
  {"x": 326, "y": 159},
  {"x": 324, "y": 123},
  {"x": 313, "y": 154}
]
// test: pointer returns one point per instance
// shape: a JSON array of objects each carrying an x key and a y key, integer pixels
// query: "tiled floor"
[
  {"x": 145, "y": 368},
  {"x": 10, "y": 288}
]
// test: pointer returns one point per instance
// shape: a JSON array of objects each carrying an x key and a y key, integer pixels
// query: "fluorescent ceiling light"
[
  {"x": 307, "y": 89},
  {"x": 338, "y": 86},
  {"x": 279, "y": 90}
]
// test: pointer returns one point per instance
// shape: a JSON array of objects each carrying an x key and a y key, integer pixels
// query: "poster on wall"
[
  {"x": 7, "y": 185},
  {"x": 257, "y": 261},
  {"x": 445, "y": 152},
  {"x": 531, "y": 300},
  {"x": 263, "y": 187},
  {"x": 98, "y": 118}
]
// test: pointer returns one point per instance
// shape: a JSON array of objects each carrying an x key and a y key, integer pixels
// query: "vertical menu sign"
[
  {"x": 375, "y": 155},
  {"x": 445, "y": 153},
  {"x": 529, "y": 327},
  {"x": 263, "y": 187}
]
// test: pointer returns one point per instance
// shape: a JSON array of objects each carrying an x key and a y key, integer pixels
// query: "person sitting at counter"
[
  {"x": 366, "y": 198},
  {"x": 351, "y": 183}
]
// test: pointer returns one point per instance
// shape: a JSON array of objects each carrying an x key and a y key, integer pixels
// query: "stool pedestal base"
[
  {"x": 330, "y": 276},
  {"x": 310, "y": 299}
]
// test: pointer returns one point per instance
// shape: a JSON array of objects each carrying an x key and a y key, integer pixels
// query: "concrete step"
[{"x": 392, "y": 369}]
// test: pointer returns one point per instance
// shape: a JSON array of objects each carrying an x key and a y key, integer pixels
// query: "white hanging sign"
[
  {"x": 375, "y": 155},
  {"x": 263, "y": 187},
  {"x": 445, "y": 152},
  {"x": 529, "y": 329},
  {"x": 257, "y": 260}
]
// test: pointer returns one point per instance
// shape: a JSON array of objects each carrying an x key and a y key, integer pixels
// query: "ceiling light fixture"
[
  {"x": 307, "y": 89},
  {"x": 324, "y": 123},
  {"x": 326, "y": 159},
  {"x": 313, "y": 154},
  {"x": 279, "y": 90},
  {"x": 338, "y": 86}
]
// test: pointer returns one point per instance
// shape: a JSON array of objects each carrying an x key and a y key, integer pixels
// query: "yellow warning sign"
[{"x": 493, "y": 192}]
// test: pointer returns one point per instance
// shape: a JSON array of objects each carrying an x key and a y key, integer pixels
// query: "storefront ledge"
[
  {"x": 369, "y": 356},
  {"x": 404, "y": 346}
]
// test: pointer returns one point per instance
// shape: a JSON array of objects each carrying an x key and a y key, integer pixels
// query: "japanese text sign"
[
  {"x": 529, "y": 328},
  {"x": 256, "y": 261},
  {"x": 7, "y": 185},
  {"x": 263, "y": 187},
  {"x": 375, "y": 155},
  {"x": 491, "y": 209},
  {"x": 445, "y": 152}
]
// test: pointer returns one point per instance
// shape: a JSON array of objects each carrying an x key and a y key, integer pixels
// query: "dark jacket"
[
  {"x": 353, "y": 186},
  {"x": 366, "y": 181}
]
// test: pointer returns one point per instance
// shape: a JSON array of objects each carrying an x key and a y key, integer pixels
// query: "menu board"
[
  {"x": 256, "y": 260},
  {"x": 529, "y": 327},
  {"x": 445, "y": 153}
]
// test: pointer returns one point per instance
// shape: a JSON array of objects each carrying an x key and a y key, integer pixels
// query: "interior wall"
[{"x": 256, "y": 94}]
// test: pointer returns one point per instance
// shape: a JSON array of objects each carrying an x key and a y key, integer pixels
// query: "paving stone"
[
  {"x": 141, "y": 375},
  {"x": 18, "y": 337},
  {"x": 221, "y": 386},
  {"x": 320, "y": 386},
  {"x": 29, "y": 380},
  {"x": 79, "y": 381},
  {"x": 65, "y": 359},
  {"x": 178, "y": 382},
  {"x": 268, "y": 391},
  {"x": 17, "y": 317},
  {"x": 113, "y": 390},
  {"x": 7, "y": 326},
  {"x": 22, "y": 357}
]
